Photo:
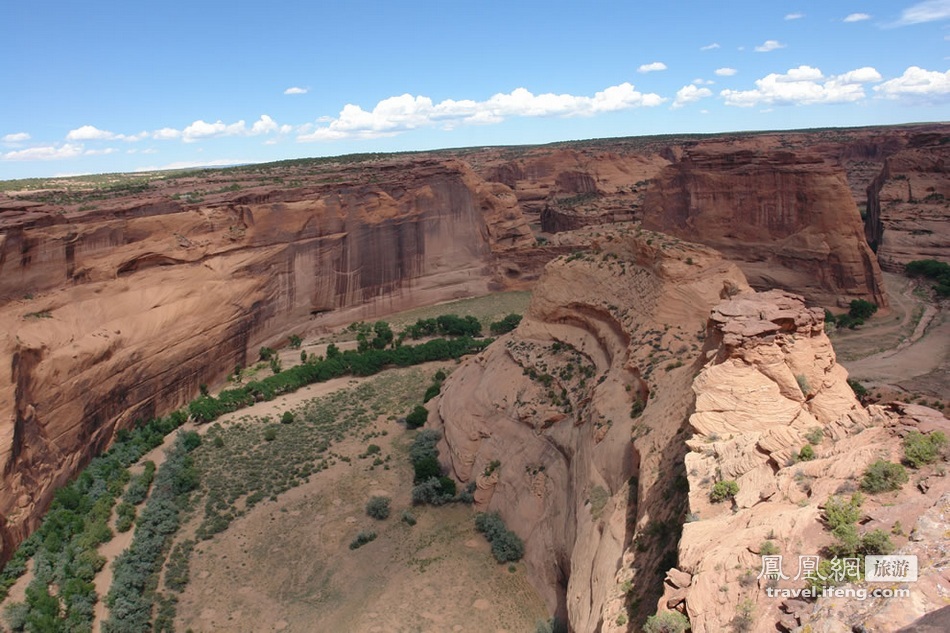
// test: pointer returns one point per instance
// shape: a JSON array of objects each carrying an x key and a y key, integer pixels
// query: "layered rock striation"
[
  {"x": 787, "y": 217},
  {"x": 908, "y": 203}
]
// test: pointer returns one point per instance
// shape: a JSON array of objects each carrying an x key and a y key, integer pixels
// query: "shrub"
[
  {"x": 417, "y": 417},
  {"x": 505, "y": 325},
  {"x": 431, "y": 492},
  {"x": 190, "y": 440},
  {"x": 270, "y": 434},
  {"x": 858, "y": 389},
  {"x": 666, "y": 622},
  {"x": 768, "y": 548},
  {"x": 838, "y": 513},
  {"x": 934, "y": 270},
  {"x": 745, "y": 616},
  {"x": 861, "y": 309},
  {"x": 876, "y": 543},
  {"x": 803, "y": 384},
  {"x": 815, "y": 435},
  {"x": 287, "y": 418},
  {"x": 408, "y": 517},
  {"x": 378, "y": 508},
  {"x": 266, "y": 353},
  {"x": 883, "y": 476},
  {"x": 506, "y": 546},
  {"x": 920, "y": 449},
  {"x": 295, "y": 341},
  {"x": 362, "y": 539},
  {"x": 723, "y": 490},
  {"x": 807, "y": 453},
  {"x": 431, "y": 393}
]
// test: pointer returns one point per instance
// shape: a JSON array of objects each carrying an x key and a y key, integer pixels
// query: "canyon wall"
[
  {"x": 604, "y": 356},
  {"x": 908, "y": 203},
  {"x": 120, "y": 313},
  {"x": 787, "y": 217}
]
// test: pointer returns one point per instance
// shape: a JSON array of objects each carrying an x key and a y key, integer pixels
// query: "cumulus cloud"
[
  {"x": 651, "y": 68},
  {"x": 917, "y": 84},
  {"x": 804, "y": 85},
  {"x": 294, "y": 90},
  {"x": 49, "y": 152},
  {"x": 794, "y": 16},
  {"x": 928, "y": 11},
  {"x": 166, "y": 134},
  {"x": 725, "y": 72},
  {"x": 703, "y": 82},
  {"x": 768, "y": 46},
  {"x": 690, "y": 94},
  {"x": 201, "y": 130},
  {"x": 407, "y": 112},
  {"x": 857, "y": 17},
  {"x": 92, "y": 133},
  {"x": 17, "y": 137},
  {"x": 709, "y": 47}
]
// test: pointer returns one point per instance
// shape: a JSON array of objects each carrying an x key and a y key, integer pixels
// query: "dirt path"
[{"x": 907, "y": 349}]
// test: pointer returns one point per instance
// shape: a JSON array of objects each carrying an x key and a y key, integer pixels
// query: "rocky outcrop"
[
  {"x": 908, "y": 203},
  {"x": 770, "y": 386},
  {"x": 120, "y": 313},
  {"x": 604, "y": 356},
  {"x": 787, "y": 217}
]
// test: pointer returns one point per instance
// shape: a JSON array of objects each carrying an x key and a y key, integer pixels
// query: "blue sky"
[{"x": 103, "y": 86}]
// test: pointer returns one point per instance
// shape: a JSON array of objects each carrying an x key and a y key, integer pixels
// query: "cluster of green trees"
[
  {"x": 933, "y": 270},
  {"x": 858, "y": 312},
  {"x": 505, "y": 325},
  {"x": 64, "y": 547},
  {"x": 317, "y": 369},
  {"x": 444, "y": 325},
  {"x": 431, "y": 485},
  {"x": 506, "y": 546},
  {"x": 133, "y": 591}
]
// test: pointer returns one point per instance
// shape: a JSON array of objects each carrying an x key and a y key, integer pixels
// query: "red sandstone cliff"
[
  {"x": 120, "y": 313},
  {"x": 787, "y": 218}
]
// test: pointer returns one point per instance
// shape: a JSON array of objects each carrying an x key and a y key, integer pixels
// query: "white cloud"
[
  {"x": 49, "y": 152},
  {"x": 89, "y": 133},
  {"x": 406, "y": 112},
  {"x": 651, "y": 68},
  {"x": 200, "y": 130},
  {"x": 709, "y": 47},
  {"x": 264, "y": 125},
  {"x": 857, "y": 17},
  {"x": 726, "y": 72},
  {"x": 928, "y": 11},
  {"x": 166, "y": 134},
  {"x": 17, "y": 137},
  {"x": 92, "y": 133},
  {"x": 917, "y": 83},
  {"x": 804, "y": 85},
  {"x": 294, "y": 90},
  {"x": 703, "y": 82},
  {"x": 690, "y": 94},
  {"x": 794, "y": 16},
  {"x": 769, "y": 46}
]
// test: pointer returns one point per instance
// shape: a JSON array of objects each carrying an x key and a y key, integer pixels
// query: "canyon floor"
[{"x": 285, "y": 565}]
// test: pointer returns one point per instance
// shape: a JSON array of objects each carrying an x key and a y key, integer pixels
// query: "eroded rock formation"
[
  {"x": 604, "y": 355},
  {"x": 770, "y": 379}
]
